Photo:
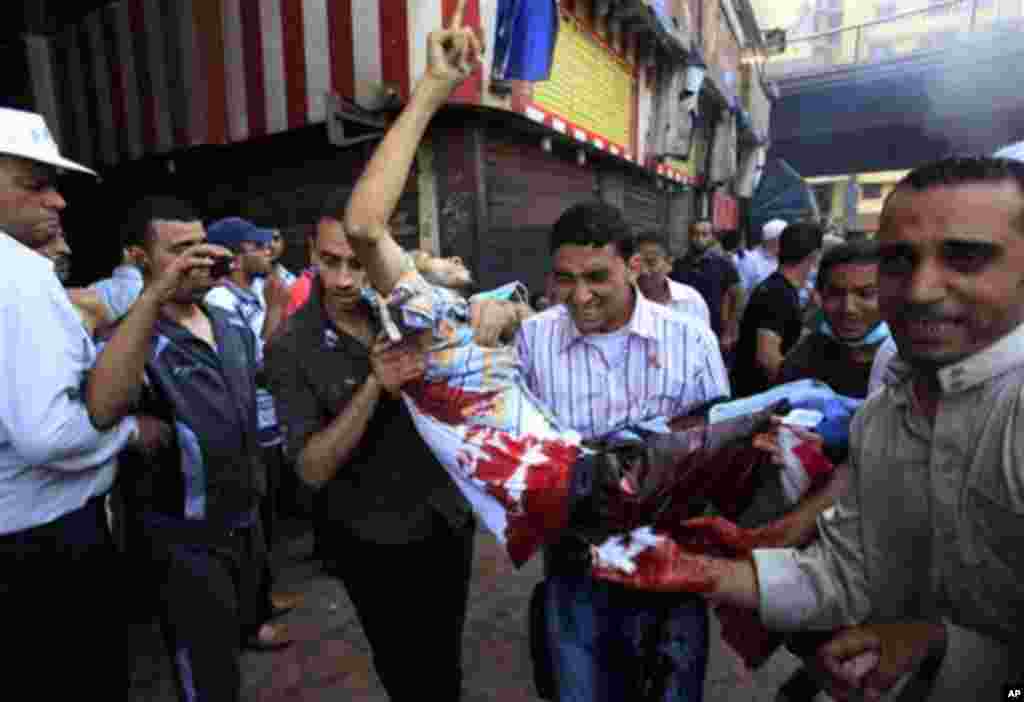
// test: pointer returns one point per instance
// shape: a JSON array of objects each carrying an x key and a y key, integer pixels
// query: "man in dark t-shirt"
[
  {"x": 390, "y": 512},
  {"x": 842, "y": 343},
  {"x": 772, "y": 322},
  {"x": 715, "y": 277}
]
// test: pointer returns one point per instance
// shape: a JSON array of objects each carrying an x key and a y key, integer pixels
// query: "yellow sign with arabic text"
[{"x": 590, "y": 86}]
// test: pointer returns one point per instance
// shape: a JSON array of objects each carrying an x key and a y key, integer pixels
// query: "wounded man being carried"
[{"x": 528, "y": 477}]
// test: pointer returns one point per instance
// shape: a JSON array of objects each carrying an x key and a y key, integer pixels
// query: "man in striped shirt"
[
  {"x": 609, "y": 358},
  {"x": 629, "y": 360}
]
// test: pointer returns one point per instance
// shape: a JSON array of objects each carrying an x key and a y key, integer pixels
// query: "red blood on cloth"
[
  {"x": 814, "y": 461},
  {"x": 665, "y": 567},
  {"x": 446, "y": 403},
  {"x": 530, "y": 478},
  {"x": 687, "y": 560}
]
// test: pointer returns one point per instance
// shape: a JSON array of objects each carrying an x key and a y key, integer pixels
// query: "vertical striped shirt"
[{"x": 671, "y": 364}]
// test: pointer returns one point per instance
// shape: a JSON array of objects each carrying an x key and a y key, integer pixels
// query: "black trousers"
[
  {"x": 212, "y": 594},
  {"x": 411, "y": 602},
  {"x": 270, "y": 506},
  {"x": 61, "y": 589}
]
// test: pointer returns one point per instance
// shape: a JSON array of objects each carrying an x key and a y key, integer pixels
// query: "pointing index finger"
[{"x": 456, "y": 20}]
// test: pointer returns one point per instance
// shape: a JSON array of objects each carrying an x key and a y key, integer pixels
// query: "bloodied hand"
[{"x": 394, "y": 366}]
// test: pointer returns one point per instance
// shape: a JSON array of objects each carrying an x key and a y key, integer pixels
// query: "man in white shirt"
[
  {"x": 60, "y": 579},
  {"x": 120, "y": 291},
  {"x": 921, "y": 556},
  {"x": 760, "y": 262},
  {"x": 652, "y": 262}
]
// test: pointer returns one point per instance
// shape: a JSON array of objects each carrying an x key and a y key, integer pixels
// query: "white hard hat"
[
  {"x": 773, "y": 229},
  {"x": 26, "y": 135}
]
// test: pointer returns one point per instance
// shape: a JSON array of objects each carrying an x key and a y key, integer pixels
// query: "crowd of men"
[{"x": 201, "y": 373}]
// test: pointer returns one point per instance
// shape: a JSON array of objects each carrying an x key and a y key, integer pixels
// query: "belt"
[
  {"x": 200, "y": 531},
  {"x": 93, "y": 504}
]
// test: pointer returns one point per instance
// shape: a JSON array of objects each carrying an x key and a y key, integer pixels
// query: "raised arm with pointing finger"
[{"x": 452, "y": 55}]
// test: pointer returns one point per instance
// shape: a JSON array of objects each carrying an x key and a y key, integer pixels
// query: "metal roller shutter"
[{"x": 527, "y": 190}]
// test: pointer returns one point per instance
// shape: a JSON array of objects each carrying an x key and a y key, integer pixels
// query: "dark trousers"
[
  {"x": 411, "y": 602},
  {"x": 212, "y": 594},
  {"x": 270, "y": 507},
  {"x": 61, "y": 588}
]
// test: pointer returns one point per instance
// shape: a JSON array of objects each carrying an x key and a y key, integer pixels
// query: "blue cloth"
[
  {"x": 810, "y": 394},
  {"x": 525, "y": 35},
  {"x": 604, "y": 647},
  {"x": 120, "y": 291},
  {"x": 879, "y": 333}
]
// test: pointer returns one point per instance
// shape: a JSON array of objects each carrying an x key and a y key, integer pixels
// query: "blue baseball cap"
[{"x": 232, "y": 231}]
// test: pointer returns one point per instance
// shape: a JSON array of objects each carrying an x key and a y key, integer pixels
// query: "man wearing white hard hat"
[
  {"x": 59, "y": 564},
  {"x": 763, "y": 260}
]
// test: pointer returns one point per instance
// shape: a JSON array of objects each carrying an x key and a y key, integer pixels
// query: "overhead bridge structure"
[{"x": 862, "y": 99}]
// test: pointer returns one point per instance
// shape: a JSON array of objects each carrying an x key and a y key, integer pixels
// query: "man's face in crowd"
[
  {"x": 30, "y": 205},
  {"x": 952, "y": 269},
  {"x": 448, "y": 272},
  {"x": 276, "y": 246},
  {"x": 341, "y": 274},
  {"x": 849, "y": 299},
  {"x": 58, "y": 251},
  {"x": 166, "y": 241},
  {"x": 702, "y": 236},
  {"x": 594, "y": 283},
  {"x": 255, "y": 258},
  {"x": 653, "y": 259}
]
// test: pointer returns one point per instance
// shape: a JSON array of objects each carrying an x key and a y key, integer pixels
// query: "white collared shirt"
[
  {"x": 886, "y": 367},
  {"x": 754, "y": 268},
  {"x": 52, "y": 459},
  {"x": 671, "y": 363}
]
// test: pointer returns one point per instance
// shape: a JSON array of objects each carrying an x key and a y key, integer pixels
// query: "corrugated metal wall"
[{"x": 527, "y": 190}]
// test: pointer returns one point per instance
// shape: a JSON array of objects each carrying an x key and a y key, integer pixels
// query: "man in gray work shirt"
[{"x": 922, "y": 556}]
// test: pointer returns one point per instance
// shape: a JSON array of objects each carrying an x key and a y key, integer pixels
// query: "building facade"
[{"x": 262, "y": 107}]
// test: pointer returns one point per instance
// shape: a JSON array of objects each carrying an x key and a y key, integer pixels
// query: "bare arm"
[
  {"x": 731, "y": 315},
  {"x": 276, "y": 295},
  {"x": 769, "y": 352},
  {"x": 452, "y": 56},
  {"x": 116, "y": 379},
  {"x": 802, "y": 522},
  {"x": 272, "y": 322},
  {"x": 325, "y": 452},
  {"x": 328, "y": 450},
  {"x": 737, "y": 583}
]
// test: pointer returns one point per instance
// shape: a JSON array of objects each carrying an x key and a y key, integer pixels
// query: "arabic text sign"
[{"x": 590, "y": 86}]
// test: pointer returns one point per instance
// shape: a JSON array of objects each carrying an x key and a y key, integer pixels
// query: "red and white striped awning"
[{"x": 141, "y": 77}]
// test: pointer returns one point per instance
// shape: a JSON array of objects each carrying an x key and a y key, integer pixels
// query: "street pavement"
[{"x": 331, "y": 659}]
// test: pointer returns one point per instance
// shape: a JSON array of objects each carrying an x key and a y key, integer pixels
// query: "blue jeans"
[{"x": 611, "y": 644}]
